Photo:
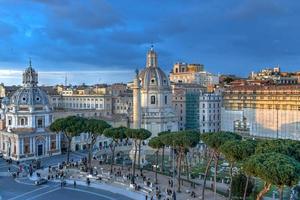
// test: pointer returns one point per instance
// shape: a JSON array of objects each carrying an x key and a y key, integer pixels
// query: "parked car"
[{"x": 40, "y": 181}]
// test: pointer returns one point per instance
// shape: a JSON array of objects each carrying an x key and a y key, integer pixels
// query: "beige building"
[
  {"x": 193, "y": 73},
  {"x": 262, "y": 110}
]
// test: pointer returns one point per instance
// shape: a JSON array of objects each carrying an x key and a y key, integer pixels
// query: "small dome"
[
  {"x": 153, "y": 77},
  {"x": 29, "y": 96}
]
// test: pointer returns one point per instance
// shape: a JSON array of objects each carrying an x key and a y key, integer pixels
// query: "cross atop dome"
[{"x": 151, "y": 58}]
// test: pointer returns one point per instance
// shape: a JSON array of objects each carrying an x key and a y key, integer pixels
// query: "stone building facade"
[
  {"x": 27, "y": 115},
  {"x": 152, "y": 99},
  {"x": 262, "y": 110}
]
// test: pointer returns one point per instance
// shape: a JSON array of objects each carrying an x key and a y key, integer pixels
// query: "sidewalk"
[{"x": 119, "y": 182}]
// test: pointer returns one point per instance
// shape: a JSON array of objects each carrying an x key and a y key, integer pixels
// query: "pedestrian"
[
  {"x": 146, "y": 197},
  {"x": 74, "y": 184},
  {"x": 61, "y": 184}
]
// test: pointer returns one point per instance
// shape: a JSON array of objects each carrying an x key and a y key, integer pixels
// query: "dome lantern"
[
  {"x": 151, "y": 58},
  {"x": 30, "y": 77}
]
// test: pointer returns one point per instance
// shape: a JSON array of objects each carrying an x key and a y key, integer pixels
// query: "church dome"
[
  {"x": 152, "y": 76},
  {"x": 30, "y": 94}
]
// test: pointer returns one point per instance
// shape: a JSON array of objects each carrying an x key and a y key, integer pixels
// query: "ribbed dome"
[
  {"x": 29, "y": 96},
  {"x": 153, "y": 77}
]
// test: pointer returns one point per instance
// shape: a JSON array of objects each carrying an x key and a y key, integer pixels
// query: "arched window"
[
  {"x": 152, "y": 99},
  {"x": 22, "y": 121}
]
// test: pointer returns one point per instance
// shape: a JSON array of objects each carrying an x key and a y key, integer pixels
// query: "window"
[
  {"x": 40, "y": 123},
  {"x": 50, "y": 119},
  {"x": 152, "y": 99},
  {"x": 26, "y": 149},
  {"x": 166, "y": 99},
  {"x": 53, "y": 146}
]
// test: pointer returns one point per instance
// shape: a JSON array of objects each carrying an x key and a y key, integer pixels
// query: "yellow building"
[{"x": 262, "y": 110}]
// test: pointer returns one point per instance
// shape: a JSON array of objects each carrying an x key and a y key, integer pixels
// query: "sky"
[{"x": 104, "y": 41}]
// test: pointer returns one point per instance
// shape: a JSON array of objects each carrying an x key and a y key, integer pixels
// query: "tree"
[
  {"x": 143, "y": 135},
  {"x": 239, "y": 182},
  {"x": 163, "y": 149},
  {"x": 180, "y": 141},
  {"x": 236, "y": 151},
  {"x": 273, "y": 168},
  {"x": 156, "y": 144},
  {"x": 70, "y": 126},
  {"x": 214, "y": 141},
  {"x": 136, "y": 135},
  {"x": 94, "y": 128},
  {"x": 116, "y": 134},
  {"x": 287, "y": 147}
]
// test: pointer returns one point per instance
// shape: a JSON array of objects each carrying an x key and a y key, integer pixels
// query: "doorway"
[{"x": 40, "y": 150}]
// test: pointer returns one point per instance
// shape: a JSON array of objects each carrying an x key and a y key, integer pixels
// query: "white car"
[{"x": 40, "y": 181}]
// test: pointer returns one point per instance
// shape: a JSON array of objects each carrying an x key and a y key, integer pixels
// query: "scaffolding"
[{"x": 192, "y": 111}]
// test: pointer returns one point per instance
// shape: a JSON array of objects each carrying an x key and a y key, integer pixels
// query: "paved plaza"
[{"x": 110, "y": 187}]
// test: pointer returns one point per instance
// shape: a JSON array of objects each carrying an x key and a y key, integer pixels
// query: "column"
[
  {"x": 22, "y": 145},
  {"x": 30, "y": 145},
  {"x": 46, "y": 145},
  {"x": 59, "y": 141},
  {"x": 33, "y": 144},
  {"x": 49, "y": 143},
  {"x": 56, "y": 140},
  {"x": 17, "y": 143}
]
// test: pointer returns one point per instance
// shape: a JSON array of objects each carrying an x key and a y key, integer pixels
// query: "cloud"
[
  {"x": 96, "y": 35},
  {"x": 73, "y": 77}
]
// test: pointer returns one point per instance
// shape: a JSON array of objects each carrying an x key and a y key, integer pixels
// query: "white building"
[
  {"x": 193, "y": 73},
  {"x": 210, "y": 112},
  {"x": 26, "y": 116},
  {"x": 152, "y": 99}
]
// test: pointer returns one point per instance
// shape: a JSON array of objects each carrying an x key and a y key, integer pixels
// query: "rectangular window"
[
  {"x": 166, "y": 99},
  {"x": 152, "y": 99}
]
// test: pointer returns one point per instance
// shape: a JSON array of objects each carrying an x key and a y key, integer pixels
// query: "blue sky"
[{"x": 106, "y": 40}]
